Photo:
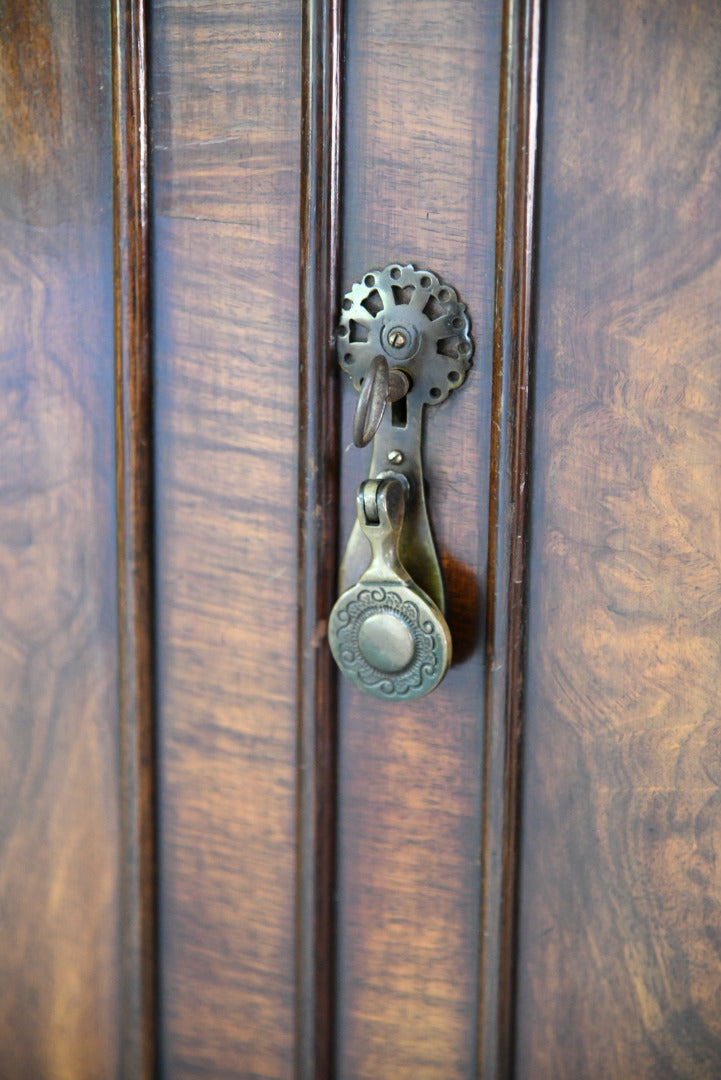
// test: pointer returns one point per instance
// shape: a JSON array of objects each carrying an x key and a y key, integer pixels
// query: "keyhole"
[{"x": 399, "y": 412}]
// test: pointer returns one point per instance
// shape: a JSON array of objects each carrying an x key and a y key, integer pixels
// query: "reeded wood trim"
[
  {"x": 133, "y": 411},
  {"x": 513, "y": 325},
  {"x": 317, "y": 532}
]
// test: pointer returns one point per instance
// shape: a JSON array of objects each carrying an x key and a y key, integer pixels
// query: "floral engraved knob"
[{"x": 385, "y": 632}]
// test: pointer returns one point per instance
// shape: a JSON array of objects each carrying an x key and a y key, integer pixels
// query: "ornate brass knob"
[
  {"x": 385, "y": 633},
  {"x": 404, "y": 340}
]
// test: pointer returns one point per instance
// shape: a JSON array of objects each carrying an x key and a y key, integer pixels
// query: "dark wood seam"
[
  {"x": 318, "y": 442},
  {"x": 510, "y": 449},
  {"x": 134, "y": 479}
]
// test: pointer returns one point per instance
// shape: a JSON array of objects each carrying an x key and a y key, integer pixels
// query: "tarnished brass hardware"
[
  {"x": 380, "y": 386},
  {"x": 404, "y": 339},
  {"x": 385, "y": 633}
]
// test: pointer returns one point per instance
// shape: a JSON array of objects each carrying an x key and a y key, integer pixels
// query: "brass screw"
[
  {"x": 395, "y": 457},
  {"x": 397, "y": 339}
]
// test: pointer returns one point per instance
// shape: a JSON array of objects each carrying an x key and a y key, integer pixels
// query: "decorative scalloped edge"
[
  {"x": 423, "y": 672},
  {"x": 449, "y": 371}
]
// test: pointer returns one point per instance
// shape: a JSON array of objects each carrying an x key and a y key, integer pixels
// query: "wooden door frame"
[{"x": 320, "y": 231}]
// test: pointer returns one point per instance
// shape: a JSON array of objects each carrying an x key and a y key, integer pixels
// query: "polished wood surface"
[
  {"x": 226, "y": 115},
  {"x": 59, "y": 789},
  {"x": 336, "y": 877},
  {"x": 134, "y": 497},
  {"x": 619, "y": 966},
  {"x": 319, "y": 227},
  {"x": 419, "y": 186},
  {"x": 506, "y": 582}
]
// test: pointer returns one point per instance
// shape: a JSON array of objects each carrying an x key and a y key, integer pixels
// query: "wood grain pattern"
[
  {"x": 619, "y": 958},
  {"x": 508, "y": 531},
  {"x": 419, "y": 186},
  {"x": 317, "y": 533},
  {"x": 226, "y": 91},
  {"x": 134, "y": 492},
  {"x": 59, "y": 794}
]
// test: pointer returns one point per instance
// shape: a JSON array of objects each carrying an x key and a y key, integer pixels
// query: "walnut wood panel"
[
  {"x": 317, "y": 533},
  {"x": 134, "y": 493},
  {"x": 59, "y": 790},
  {"x": 508, "y": 532},
  {"x": 419, "y": 186},
  {"x": 619, "y": 963},
  {"x": 226, "y": 91}
]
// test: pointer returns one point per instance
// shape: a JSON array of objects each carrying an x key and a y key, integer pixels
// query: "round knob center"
[{"x": 386, "y": 642}]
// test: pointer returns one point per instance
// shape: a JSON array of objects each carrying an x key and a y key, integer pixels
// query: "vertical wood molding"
[
  {"x": 134, "y": 470},
  {"x": 513, "y": 326},
  {"x": 317, "y": 532}
]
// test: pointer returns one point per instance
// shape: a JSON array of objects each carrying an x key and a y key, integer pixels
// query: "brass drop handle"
[
  {"x": 404, "y": 340},
  {"x": 385, "y": 633}
]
